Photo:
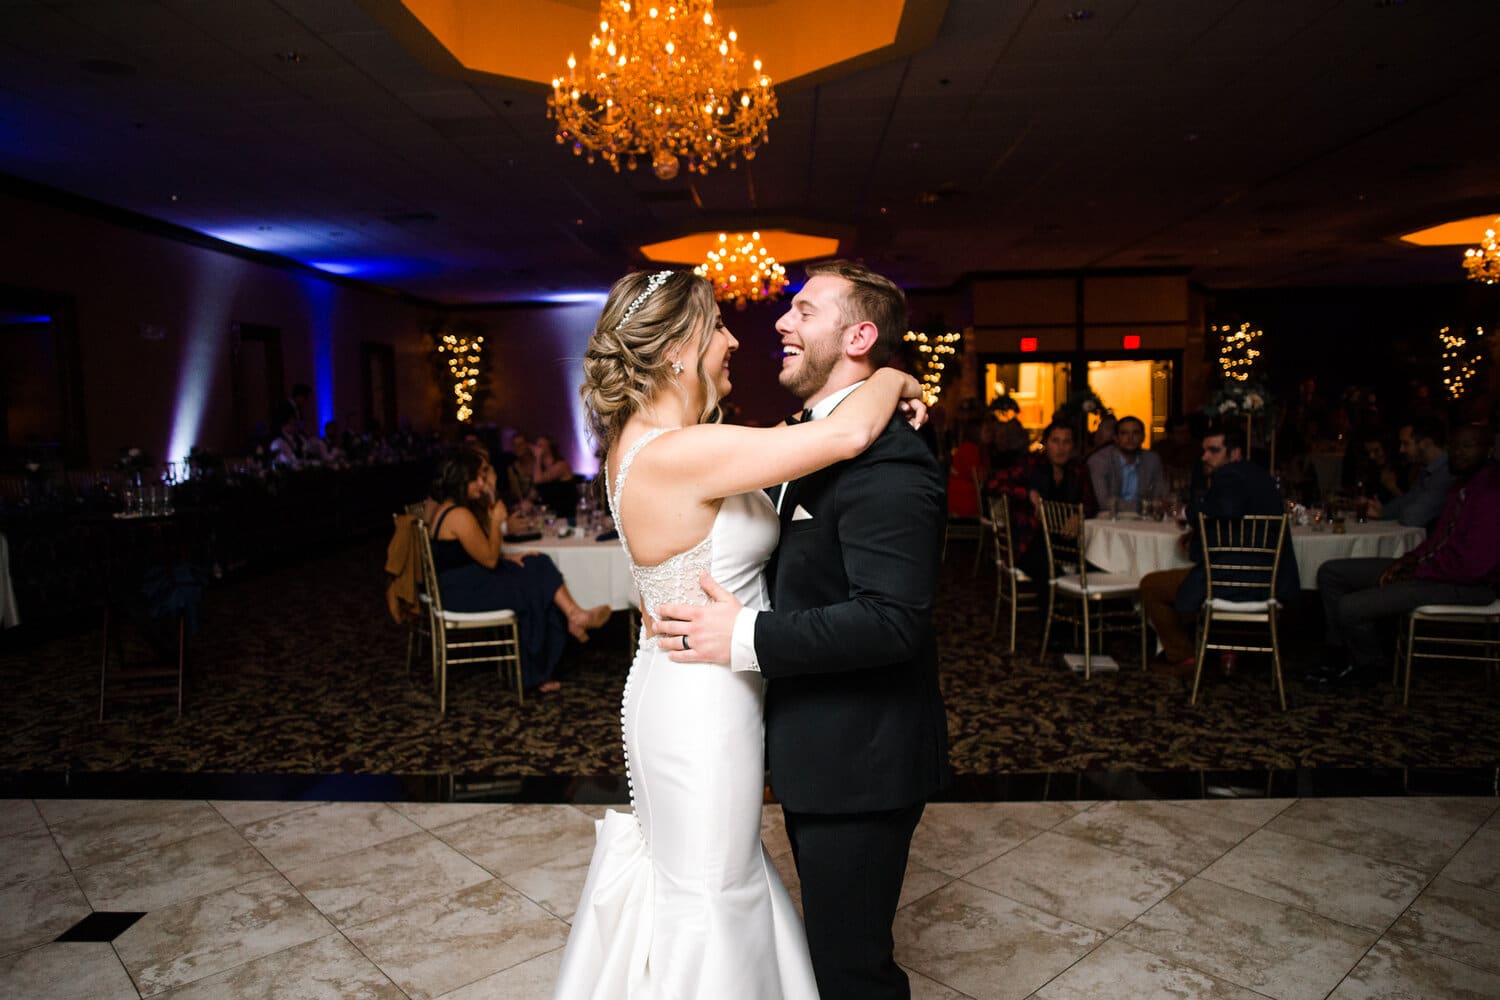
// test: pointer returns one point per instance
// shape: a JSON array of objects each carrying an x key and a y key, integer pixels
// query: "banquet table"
[
  {"x": 1136, "y": 547},
  {"x": 596, "y": 572}
]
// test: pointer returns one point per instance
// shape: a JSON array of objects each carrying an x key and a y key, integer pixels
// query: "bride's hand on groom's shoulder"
[
  {"x": 708, "y": 628},
  {"x": 915, "y": 412}
]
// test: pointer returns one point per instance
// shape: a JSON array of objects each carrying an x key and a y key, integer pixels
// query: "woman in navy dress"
[{"x": 474, "y": 573}]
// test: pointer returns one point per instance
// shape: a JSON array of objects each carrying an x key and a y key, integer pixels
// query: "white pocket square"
[{"x": 799, "y": 513}]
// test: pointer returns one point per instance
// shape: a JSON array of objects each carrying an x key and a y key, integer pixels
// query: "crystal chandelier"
[
  {"x": 1483, "y": 262},
  {"x": 661, "y": 83},
  {"x": 742, "y": 271}
]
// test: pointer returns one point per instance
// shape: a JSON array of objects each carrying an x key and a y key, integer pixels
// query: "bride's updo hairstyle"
[{"x": 629, "y": 357}]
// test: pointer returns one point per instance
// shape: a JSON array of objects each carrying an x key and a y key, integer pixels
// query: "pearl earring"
[{"x": 677, "y": 368}]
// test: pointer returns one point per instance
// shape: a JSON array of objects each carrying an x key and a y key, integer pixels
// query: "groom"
[{"x": 856, "y": 734}]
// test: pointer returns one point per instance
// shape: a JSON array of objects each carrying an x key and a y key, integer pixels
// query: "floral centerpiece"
[
  {"x": 1083, "y": 410},
  {"x": 1249, "y": 401},
  {"x": 1239, "y": 399}
]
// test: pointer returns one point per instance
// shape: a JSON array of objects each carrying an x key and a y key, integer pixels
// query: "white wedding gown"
[{"x": 681, "y": 900}]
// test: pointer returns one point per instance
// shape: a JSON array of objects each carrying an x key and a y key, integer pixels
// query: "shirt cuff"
[{"x": 742, "y": 642}]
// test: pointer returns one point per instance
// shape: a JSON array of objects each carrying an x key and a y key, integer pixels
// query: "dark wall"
[{"x": 1383, "y": 338}]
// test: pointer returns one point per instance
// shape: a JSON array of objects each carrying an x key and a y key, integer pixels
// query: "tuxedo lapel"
[{"x": 784, "y": 516}]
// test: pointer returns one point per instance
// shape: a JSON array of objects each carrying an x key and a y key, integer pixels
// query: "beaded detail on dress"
[{"x": 674, "y": 580}]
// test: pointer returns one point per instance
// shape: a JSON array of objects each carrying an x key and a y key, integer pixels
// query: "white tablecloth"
[
  {"x": 10, "y": 616},
  {"x": 1136, "y": 548},
  {"x": 1384, "y": 539},
  {"x": 595, "y": 572}
]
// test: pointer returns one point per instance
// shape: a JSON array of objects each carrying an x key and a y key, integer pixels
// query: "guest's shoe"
[
  {"x": 1347, "y": 675},
  {"x": 1163, "y": 667}
]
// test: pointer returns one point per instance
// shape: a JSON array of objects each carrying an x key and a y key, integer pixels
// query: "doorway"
[
  {"x": 1039, "y": 384},
  {"x": 378, "y": 367},
  {"x": 41, "y": 391},
  {"x": 259, "y": 383}
]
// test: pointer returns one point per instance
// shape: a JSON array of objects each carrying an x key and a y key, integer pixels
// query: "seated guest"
[
  {"x": 1381, "y": 478},
  {"x": 331, "y": 447},
  {"x": 1458, "y": 563},
  {"x": 967, "y": 461},
  {"x": 475, "y": 574},
  {"x": 1422, "y": 441},
  {"x": 1236, "y": 487},
  {"x": 554, "y": 476},
  {"x": 1005, "y": 440},
  {"x": 1123, "y": 470},
  {"x": 520, "y": 469},
  {"x": 288, "y": 450},
  {"x": 550, "y": 466},
  {"x": 1055, "y": 474},
  {"x": 1103, "y": 436},
  {"x": 1179, "y": 452}
]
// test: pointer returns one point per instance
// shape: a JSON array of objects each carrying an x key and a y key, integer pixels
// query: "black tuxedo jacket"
[{"x": 854, "y": 718}]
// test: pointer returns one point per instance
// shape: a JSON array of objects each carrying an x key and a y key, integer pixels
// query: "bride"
[{"x": 681, "y": 900}]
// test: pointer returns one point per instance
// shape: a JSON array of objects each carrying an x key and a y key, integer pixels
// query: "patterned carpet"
[{"x": 300, "y": 671}]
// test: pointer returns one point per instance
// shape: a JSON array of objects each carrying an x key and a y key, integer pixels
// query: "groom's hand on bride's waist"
[{"x": 708, "y": 628}]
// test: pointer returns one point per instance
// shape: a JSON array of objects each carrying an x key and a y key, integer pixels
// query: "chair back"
[
  {"x": 1062, "y": 528},
  {"x": 1242, "y": 555},
  {"x": 986, "y": 514},
  {"x": 428, "y": 583},
  {"x": 1004, "y": 540}
]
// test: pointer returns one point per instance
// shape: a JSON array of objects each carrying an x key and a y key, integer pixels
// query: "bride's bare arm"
[{"x": 710, "y": 461}]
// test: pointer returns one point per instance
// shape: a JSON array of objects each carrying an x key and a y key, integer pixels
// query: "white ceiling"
[{"x": 1250, "y": 142}]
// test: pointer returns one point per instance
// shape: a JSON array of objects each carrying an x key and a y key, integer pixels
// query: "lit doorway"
[
  {"x": 1134, "y": 386},
  {"x": 1038, "y": 388}
]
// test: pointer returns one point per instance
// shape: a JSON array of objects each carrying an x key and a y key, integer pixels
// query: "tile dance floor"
[{"x": 1287, "y": 898}]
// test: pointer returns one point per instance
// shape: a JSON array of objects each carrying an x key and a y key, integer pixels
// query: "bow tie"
[{"x": 802, "y": 417}]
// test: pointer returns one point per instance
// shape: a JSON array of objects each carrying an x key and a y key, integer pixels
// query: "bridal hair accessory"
[
  {"x": 657, "y": 280},
  {"x": 677, "y": 368}
]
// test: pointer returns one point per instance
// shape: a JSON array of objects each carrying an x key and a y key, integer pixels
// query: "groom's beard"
[{"x": 812, "y": 372}]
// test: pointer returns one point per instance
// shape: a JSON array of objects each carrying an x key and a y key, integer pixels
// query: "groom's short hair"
[{"x": 874, "y": 298}]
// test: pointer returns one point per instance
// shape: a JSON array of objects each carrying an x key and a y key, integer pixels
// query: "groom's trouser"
[{"x": 851, "y": 866}]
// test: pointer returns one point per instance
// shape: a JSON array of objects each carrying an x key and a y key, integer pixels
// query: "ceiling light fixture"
[
  {"x": 742, "y": 271},
  {"x": 1483, "y": 262},
  {"x": 662, "y": 84}
]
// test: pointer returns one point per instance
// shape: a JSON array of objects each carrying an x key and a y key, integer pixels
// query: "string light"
[
  {"x": 934, "y": 351},
  {"x": 464, "y": 355},
  {"x": 1460, "y": 366},
  {"x": 1237, "y": 351}
]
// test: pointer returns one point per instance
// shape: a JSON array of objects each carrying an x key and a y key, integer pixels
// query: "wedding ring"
[{"x": 685, "y": 643}]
